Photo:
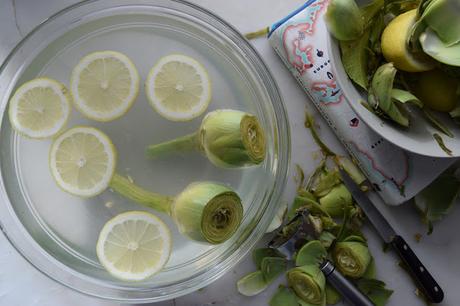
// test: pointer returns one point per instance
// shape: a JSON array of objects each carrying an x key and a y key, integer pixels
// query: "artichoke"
[
  {"x": 228, "y": 138},
  {"x": 337, "y": 201},
  {"x": 308, "y": 282},
  {"x": 351, "y": 258},
  {"x": 203, "y": 211}
]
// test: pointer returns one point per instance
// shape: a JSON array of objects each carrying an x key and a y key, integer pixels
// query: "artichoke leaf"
[
  {"x": 344, "y": 20},
  {"x": 337, "y": 201},
  {"x": 272, "y": 267},
  {"x": 355, "y": 238},
  {"x": 278, "y": 219},
  {"x": 369, "y": 11},
  {"x": 371, "y": 271},
  {"x": 375, "y": 290},
  {"x": 299, "y": 202},
  {"x": 308, "y": 282},
  {"x": 312, "y": 253},
  {"x": 434, "y": 47},
  {"x": 404, "y": 96},
  {"x": 436, "y": 199},
  {"x": 380, "y": 94},
  {"x": 332, "y": 295},
  {"x": 258, "y": 255},
  {"x": 355, "y": 59},
  {"x": 252, "y": 284},
  {"x": 283, "y": 297},
  {"x": 442, "y": 17},
  {"x": 327, "y": 239},
  {"x": 326, "y": 181},
  {"x": 436, "y": 123},
  {"x": 455, "y": 114}
]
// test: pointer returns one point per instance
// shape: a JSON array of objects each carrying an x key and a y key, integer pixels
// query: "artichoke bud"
[
  {"x": 344, "y": 20},
  {"x": 207, "y": 212},
  {"x": 309, "y": 283},
  {"x": 351, "y": 258},
  {"x": 336, "y": 201},
  {"x": 232, "y": 138}
]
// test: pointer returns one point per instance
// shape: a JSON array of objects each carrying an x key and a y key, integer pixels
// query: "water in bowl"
[{"x": 66, "y": 226}]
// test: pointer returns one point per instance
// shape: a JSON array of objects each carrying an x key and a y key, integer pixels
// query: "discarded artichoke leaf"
[
  {"x": 326, "y": 182},
  {"x": 283, "y": 297},
  {"x": 312, "y": 253},
  {"x": 258, "y": 255},
  {"x": 327, "y": 239},
  {"x": 380, "y": 94},
  {"x": 310, "y": 124},
  {"x": 351, "y": 258},
  {"x": 343, "y": 19},
  {"x": 300, "y": 201},
  {"x": 314, "y": 176},
  {"x": 355, "y": 55},
  {"x": 375, "y": 32},
  {"x": 404, "y": 96},
  {"x": 442, "y": 17},
  {"x": 252, "y": 284},
  {"x": 441, "y": 144},
  {"x": 350, "y": 168},
  {"x": 355, "y": 238},
  {"x": 435, "y": 201},
  {"x": 434, "y": 47},
  {"x": 332, "y": 295},
  {"x": 316, "y": 223},
  {"x": 278, "y": 219},
  {"x": 436, "y": 123},
  {"x": 272, "y": 267},
  {"x": 336, "y": 201},
  {"x": 422, "y": 6},
  {"x": 308, "y": 282},
  {"x": 375, "y": 290},
  {"x": 369, "y": 11},
  {"x": 300, "y": 178}
]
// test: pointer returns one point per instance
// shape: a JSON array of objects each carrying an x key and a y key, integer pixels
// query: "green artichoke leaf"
[
  {"x": 301, "y": 201},
  {"x": 434, "y": 47},
  {"x": 279, "y": 218},
  {"x": 312, "y": 253},
  {"x": 327, "y": 239},
  {"x": 375, "y": 290},
  {"x": 252, "y": 284},
  {"x": 355, "y": 59},
  {"x": 404, "y": 96},
  {"x": 351, "y": 258},
  {"x": 442, "y": 17},
  {"x": 371, "y": 270},
  {"x": 337, "y": 201},
  {"x": 355, "y": 238},
  {"x": 308, "y": 282},
  {"x": 326, "y": 182},
  {"x": 344, "y": 20},
  {"x": 258, "y": 255},
  {"x": 436, "y": 123},
  {"x": 283, "y": 297},
  {"x": 435, "y": 201},
  {"x": 272, "y": 267},
  {"x": 380, "y": 94},
  {"x": 332, "y": 295}
]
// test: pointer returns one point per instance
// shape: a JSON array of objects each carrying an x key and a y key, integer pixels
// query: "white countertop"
[{"x": 21, "y": 284}]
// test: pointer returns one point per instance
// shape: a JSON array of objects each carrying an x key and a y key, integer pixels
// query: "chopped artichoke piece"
[
  {"x": 351, "y": 258},
  {"x": 312, "y": 253}
]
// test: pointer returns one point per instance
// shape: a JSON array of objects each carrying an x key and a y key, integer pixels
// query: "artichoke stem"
[
  {"x": 181, "y": 144},
  {"x": 133, "y": 192}
]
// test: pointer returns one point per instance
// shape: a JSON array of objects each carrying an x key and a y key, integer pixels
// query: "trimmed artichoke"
[
  {"x": 228, "y": 138},
  {"x": 203, "y": 211},
  {"x": 351, "y": 258},
  {"x": 308, "y": 282}
]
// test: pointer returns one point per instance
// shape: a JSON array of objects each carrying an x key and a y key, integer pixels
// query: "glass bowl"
[{"x": 57, "y": 232}]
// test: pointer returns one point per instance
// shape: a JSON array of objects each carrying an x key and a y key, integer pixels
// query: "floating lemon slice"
[
  {"x": 104, "y": 85},
  {"x": 82, "y": 161},
  {"x": 134, "y": 245},
  {"x": 39, "y": 108},
  {"x": 178, "y": 88}
]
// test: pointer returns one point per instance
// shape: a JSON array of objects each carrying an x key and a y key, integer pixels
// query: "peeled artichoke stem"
[
  {"x": 203, "y": 211},
  {"x": 181, "y": 144}
]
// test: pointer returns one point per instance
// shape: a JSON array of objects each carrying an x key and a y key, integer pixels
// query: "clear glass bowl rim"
[{"x": 27, "y": 247}]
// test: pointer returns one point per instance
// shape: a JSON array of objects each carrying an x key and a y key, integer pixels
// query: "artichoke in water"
[
  {"x": 203, "y": 211},
  {"x": 228, "y": 138},
  {"x": 308, "y": 282},
  {"x": 352, "y": 258}
]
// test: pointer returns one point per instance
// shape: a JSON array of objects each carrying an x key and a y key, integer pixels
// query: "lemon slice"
[
  {"x": 178, "y": 88},
  {"x": 82, "y": 161},
  {"x": 394, "y": 45},
  {"x": 134, "y": 245},
  {"x": 39, "y": 108},
  {"x": 104, "y": 85}
]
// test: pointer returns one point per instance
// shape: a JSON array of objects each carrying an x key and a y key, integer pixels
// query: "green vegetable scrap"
[
  {"x": 441, "y": 144},
  {"x": 228, "y": 138},
  {"x": 332, "y": 296},
  {"x": 312, "y": 253},
  {"x": 337, "y": 201},
  {"x": 284, "y": 297},
  {"x": 375, "y": 290}
]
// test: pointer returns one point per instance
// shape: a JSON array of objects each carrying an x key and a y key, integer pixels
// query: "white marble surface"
[{"x": 21, "y": 284}]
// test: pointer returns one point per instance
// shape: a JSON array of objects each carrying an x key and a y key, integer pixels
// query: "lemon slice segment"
[
  {"x": 178, "y": 87},
  {"x": 82, "y": 161},
  {"x": 39, "y": 108},
  {"x": 104, "y": 85},
  {"x": 134, "y": 245}
]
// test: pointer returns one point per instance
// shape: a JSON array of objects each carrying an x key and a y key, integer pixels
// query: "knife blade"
[{"x": 427, "y": 283}]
